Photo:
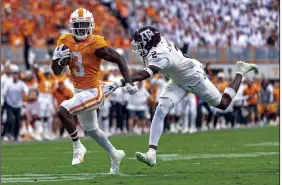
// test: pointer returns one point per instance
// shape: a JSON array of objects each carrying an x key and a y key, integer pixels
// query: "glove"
[
  {"x": 109, "y": 87},
  {"x": 61, "y": 54},
  {"x": 131, "y": 89}
]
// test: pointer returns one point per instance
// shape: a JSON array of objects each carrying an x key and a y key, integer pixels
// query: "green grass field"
[{"x": 243, "y": 156}]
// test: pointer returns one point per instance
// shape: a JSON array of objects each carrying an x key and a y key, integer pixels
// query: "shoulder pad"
[
  {"x": 65, "y": 36},
  {"x": 98, "y": 41},
  {"x": 97, "y": 37}
]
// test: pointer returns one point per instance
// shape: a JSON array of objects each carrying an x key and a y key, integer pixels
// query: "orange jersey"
[
  {"x": 84, "y": 66},
  {"x": 62, "y": 96},
  {"x": 252, "y": 92},
  {"x": 45, "y": 85},
  {"x": 276, "y": 94}
]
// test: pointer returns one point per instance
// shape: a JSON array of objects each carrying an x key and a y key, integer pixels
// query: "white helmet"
[{"x": 81, "y": 23}]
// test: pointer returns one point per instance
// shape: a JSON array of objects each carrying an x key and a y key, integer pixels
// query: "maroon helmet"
[{"x": 144, "y": 39}]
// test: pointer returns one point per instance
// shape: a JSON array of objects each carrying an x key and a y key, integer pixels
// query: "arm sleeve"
[{"x": 160, "y": 63}]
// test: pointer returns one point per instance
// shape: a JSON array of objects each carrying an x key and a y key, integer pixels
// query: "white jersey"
[
  {"x": 181, "y": 69},
  {"x": 14, "y": 91}
]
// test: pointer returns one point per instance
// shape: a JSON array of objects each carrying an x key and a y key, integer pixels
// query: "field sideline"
[{"x": 243, "y": 156}]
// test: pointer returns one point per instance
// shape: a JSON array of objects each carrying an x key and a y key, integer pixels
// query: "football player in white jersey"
[{"x": 186, "y": 75}]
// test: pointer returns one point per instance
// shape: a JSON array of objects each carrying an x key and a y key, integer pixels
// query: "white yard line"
[
  {"x": 19, "y": 178},
  {"x": 263, "y": 144},
  {"x": 172, "y": 157},
  {"x": 56, "y": 177}
]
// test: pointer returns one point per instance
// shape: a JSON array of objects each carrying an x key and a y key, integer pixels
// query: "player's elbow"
[{"x": 224, "y": 104}]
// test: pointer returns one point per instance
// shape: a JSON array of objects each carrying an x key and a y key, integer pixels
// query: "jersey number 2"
[{"x": 78, "y": 62}]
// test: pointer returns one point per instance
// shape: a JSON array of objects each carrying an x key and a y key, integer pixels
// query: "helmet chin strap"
[{"x": 80, "y": 38}]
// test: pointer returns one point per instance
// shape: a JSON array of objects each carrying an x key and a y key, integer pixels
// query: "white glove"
[
  {"x": 131, "y": 89},
  {"x": 109, "y": 87},
  {"x": 61, "y": 54}
]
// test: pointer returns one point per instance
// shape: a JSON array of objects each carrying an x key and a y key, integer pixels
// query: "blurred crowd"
[
  {"x": 30, "y": 99},
  {"x": 40, "y": 22},
  {"x": 214, "y": 23}
]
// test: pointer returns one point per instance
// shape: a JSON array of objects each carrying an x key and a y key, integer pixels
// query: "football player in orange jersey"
[
  {"x": 86, "y": 51},
  {"x": 46, "y": 86}
]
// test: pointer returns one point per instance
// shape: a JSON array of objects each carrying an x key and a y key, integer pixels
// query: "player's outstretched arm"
[
  {"x": 144, "y": 73},
  {"x": 111, "y": 55}
]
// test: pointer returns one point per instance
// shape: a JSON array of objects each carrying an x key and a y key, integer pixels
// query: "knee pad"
[{"x": 164, "y": 106}]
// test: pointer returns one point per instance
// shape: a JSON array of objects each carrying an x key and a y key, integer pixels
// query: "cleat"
[
  {"x": 243, "y": 68},
  {"x": 147, "y": 159},
  {"x": 115, "y": 161},
  {"x": 78, "y": 155}
]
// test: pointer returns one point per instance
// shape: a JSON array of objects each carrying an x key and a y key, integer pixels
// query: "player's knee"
[
  {"x": 164, "y": 106},
  {"x": 93, "y": 132},
  {"x": 62, "y": 112}
]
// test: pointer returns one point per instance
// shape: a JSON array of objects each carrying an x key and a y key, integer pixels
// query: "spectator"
[
  {"x": 136, "y": 105},
  {"x": 252, "y": 102},
  {"x": 14, "y": 91}
]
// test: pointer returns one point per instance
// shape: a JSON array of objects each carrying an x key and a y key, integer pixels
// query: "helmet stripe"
[{"x": 80, "y": 12}]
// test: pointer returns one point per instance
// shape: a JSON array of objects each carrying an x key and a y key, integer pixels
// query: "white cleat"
[
  {"x": 184, "y": 131},
  {"x": 243, "y": 68},
  {"x": 192, "y": 130},
  {"x": 115, "y": 161},
  {"x": 36, "y": 136},
  {"x": 78, "y": 155},
  {"x": 150, "y": 160}
]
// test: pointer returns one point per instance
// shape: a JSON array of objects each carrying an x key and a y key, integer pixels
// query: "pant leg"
[
  {"x": 17, "y": 114},
  {"x": 210, "y": 114},
  {"x": 10, "y": 121},
  {"x": 215, "y": 119},
  {"x": 199, "y": 117},
  {"x": 119, "y": 108},
  {"x": 112, "y": 113}
]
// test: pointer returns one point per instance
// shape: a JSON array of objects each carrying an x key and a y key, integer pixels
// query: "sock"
[
  {"x": 76, "y": 144},
  {"x": 45, "y": 127},
  {"x": 74, "y": 136},
  {"x": 156, "y": 129},
  {"x": 99, "y": 136},
  {"x": 157, "y": 125},
  {"x": 106, "y": 124},
  {"x": 152, "y": 151}
]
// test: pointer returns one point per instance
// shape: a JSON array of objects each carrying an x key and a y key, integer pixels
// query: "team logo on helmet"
[{"x": 147, "y": 34}]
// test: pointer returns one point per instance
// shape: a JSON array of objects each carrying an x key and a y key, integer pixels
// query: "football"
[{"x": 65, "y": 61}]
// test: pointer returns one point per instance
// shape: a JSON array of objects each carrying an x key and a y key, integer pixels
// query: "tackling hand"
[
  {"x": 109, "y": 87},
  {"x": 131, "y": 89}
]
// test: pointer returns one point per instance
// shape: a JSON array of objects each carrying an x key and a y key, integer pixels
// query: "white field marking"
[
  {"x": 172, "y": 157},
  {"x": 264, "y": 144},
  {"x": 90, "y": 176},
  {"x": 57, "y": 177}
]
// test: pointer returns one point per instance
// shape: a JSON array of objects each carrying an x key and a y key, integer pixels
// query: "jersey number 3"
[{"x": 78, "y": 62}]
